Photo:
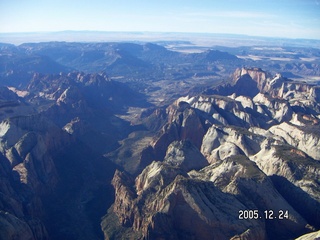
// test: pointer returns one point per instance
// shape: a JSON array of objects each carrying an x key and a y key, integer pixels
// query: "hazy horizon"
[
  {"x": 194, "y": 39},
  {"x": 280, "y": 19}
]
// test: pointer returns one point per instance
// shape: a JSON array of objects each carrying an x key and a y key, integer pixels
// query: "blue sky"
[{"x": 273, "y": 18}]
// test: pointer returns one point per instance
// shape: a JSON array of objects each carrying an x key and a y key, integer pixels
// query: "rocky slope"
[
  {"x": 242, "y": 163},
  {"x": 217, "y": 155},
  {"x": 49, "y": 176},
  {"x": 52, "y": 138},
  {"x": 28, "y": 172},
  {"x": 310, "y": 236}
]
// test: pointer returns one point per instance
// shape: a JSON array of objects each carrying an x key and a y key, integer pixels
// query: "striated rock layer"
[
  {"x": 53, "y": 177},
  {"x": 255, "y": 150}
]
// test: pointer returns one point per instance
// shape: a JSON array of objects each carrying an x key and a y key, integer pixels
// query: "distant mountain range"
[
  {"x": 148, "y": 61},
  {"x": 218, "y": 155},
  {"x": 207, "y": 39},
  {"x": 136, "y": 141},
  {"x": 141, "y": 61}
]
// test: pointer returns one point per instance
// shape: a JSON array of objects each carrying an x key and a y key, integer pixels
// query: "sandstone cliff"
[
  {"x": 257, "y": 151},
  {"x": 51, "y": 164}
]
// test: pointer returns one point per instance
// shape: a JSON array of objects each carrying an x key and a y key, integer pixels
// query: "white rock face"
[
  {"x": 9, "y": 135},
  {"x": 224, "y": 110},
  {"x": 278, "y": 110},
  {"x": 25, "y": 141},
  {"x": 185, "y": 155},
  {"x": 263, "y": 151},
  {"x": 287, "y": 162},
  {"x": 166, "y": 195},
  {"x": 310, "y": 236},
  {"x": 217, "y": 140},
  {"x": 293, "y": 135},
  {"x": 154, "y": 176},
  {"x": 230, "y": 174},
  {"x": 224, "y": 151},
  {"x": 261, "y": 111},
  {"x": 246, "y": 102}
]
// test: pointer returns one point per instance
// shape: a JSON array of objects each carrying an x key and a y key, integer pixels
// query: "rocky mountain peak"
[
  {"x": 158, "y": 160},
  {"x": 97, "y": 79},
  {"x": 257, "y": 74},
  {"x": 7, "y": 95},
  {"x": 185, "y": 155},
  {"x": 253, "y": 80},
  {"x": 214, "y": 55}
]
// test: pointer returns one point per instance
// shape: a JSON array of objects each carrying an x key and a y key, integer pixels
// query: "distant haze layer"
[{"x": 198, "y": 39}]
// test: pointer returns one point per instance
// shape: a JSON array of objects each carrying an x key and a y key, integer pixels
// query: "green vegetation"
[
  {"x": 295, "y": 156},
  {"x": 114, "y": 230},
  {"x": 129, "y": 153},
  {"x": 241, "y": 130}
]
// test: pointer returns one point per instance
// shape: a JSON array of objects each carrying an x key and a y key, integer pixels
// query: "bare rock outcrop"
[
  {"x": 184, "y": 209},
  {"x": 27, "y": 144},
  {"x": 256, "y": 74},
  {"x": 241, "y": 177},
  {"x": 183, "y": 123},
  {"x": 310, "y": 236},
  {"x": 221, "y": 142},
  {"x": 166, "y": 202},
  {"x": 262, "y": 151},
  {"x": 299, "y": 137},
  {"x": 14, "y": 228},
  {"x": 295, "y": 175},
  {"x": 185, "y": 155}
]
